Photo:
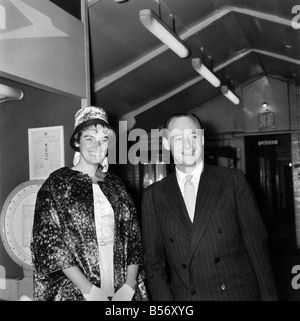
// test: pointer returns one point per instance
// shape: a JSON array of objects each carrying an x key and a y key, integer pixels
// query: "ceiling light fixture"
[
  {"x": 158, "y": 28},
  {"x": 205, "y": 72},
  {"x": 265, "y": 105},
  {"x": 9, "y": 93},
  {"x": 230, "y": 95}
]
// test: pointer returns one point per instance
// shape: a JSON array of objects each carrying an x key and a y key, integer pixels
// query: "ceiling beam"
[
  {"x": 217, "y": 15},
  {"x": 192, "y": 82}
]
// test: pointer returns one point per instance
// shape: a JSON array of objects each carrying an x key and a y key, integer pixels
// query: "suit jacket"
[{"x": 222, "y": 255}]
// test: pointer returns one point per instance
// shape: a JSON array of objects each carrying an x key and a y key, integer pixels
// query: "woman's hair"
[
  {"x": 110, "y": 132},
  {"x": 86, "y": 124}
]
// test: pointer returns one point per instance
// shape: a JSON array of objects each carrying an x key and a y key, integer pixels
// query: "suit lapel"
[
  {"x": 207, "y": 198},
  {"x": 173, "y": 198}
]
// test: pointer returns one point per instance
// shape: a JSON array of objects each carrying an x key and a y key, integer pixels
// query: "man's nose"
[{"x": 187, "y": 142}]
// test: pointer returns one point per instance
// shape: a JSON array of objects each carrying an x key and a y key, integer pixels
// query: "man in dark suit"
[{"x": 212, "y": 246}]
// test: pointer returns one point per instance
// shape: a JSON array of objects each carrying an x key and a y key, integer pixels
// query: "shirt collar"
[{"x": 197, "y": 171}]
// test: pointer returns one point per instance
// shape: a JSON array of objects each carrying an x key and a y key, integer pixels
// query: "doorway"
[{"x": 269, "y": 171}]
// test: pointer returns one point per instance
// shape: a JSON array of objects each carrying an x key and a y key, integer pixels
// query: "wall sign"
[
  {"x": 46, "y": 151},
  {"x": 267, "y": 142}
]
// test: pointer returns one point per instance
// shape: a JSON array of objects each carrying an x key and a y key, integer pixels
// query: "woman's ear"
[{"x": 165, "y": 143}]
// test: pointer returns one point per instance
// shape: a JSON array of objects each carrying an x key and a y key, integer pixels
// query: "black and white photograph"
[{"x": 150, "y": 152}]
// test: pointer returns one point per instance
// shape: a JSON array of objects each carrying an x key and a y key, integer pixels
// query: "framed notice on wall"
[{"x": 46, "y": 151}]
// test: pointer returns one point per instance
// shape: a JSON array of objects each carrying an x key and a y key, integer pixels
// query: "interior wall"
[
  {"x": 52, "y": 42},
  {"x": 268, "y": 90},
  {"x": 226, "y": 124},
  {"x": 221, "y": 116},
  {"x": 38, "y": 108}
]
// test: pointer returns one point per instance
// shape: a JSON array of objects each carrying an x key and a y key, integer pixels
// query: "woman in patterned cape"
[{"x": 86, "y": 239}]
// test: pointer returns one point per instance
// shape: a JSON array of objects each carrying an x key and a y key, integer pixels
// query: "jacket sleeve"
[
  {"x": 255, "y": 237},
  {"x": 128, "y": 224},
  {"x": 154, "y": 254},
  {"x": 135, "y": 247}
]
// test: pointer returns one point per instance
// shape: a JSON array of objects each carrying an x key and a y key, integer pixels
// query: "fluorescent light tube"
[
  {"x": 230, "y": 95},
  {"x": 159, "y": 29},
  {"x": 205, "y": 72}
]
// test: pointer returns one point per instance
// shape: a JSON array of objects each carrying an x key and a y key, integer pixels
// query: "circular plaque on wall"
[{"x": 17, "y": 220}]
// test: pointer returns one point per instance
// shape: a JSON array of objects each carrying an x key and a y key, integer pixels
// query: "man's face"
[{"x": 186, "y": 141}]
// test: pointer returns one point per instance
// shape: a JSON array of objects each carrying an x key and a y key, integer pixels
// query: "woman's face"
[{"x": 93, "y": 144}]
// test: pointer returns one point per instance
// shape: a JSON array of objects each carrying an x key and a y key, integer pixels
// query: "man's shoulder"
[
  {"x": 226, "y": 173},
  {"x": 159, "y": 185},
  {"x": 222, "y": 170}
]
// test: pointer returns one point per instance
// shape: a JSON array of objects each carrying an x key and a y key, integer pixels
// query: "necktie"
[{"x": 189, "y": 196}]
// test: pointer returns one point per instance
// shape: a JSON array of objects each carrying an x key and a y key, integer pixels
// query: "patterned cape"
[{"x": 64, "y": 235}]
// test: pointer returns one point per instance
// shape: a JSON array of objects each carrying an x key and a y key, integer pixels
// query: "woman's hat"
[{"x": 85, "y": 117}]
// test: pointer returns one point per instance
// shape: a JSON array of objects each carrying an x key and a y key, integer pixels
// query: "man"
[{"x": 214, "y": 249}]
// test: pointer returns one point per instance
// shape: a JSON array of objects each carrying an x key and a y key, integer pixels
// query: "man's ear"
[{"x": 165, "y": 143}]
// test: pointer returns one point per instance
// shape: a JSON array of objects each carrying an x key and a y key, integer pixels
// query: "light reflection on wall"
[{"x": 153, "y": 173}]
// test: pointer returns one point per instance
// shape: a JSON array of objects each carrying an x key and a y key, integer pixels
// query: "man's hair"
[{"x": 190, "y": 115}]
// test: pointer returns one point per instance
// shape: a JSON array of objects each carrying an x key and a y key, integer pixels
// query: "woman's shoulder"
[
  {"x": 59, "y": 177},
  {"x": 63, "y": 173},
  {"x": 110, "y": 177}
]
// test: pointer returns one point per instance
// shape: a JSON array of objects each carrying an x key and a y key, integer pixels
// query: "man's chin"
[{"x": 187, "y": 163}]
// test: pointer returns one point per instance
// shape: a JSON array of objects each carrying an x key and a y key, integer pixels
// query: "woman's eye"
[
  {"x": 177, "y": 139},
  {"x": 103, "y": 141},
  {"x": 89, "y": 139}
]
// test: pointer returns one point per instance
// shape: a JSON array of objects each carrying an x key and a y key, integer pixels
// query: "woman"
[{"x": 86, "y": 240}]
